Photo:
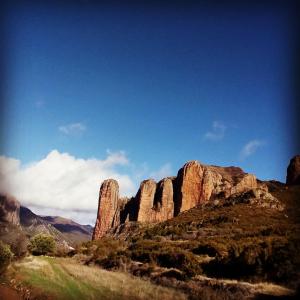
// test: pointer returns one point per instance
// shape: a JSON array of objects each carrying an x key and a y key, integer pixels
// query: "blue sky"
[{"x": 165, "y": 85}]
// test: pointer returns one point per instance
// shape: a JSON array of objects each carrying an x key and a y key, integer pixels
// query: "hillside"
[
  {"x": 233, "y": 226},
  {"x": 18, "y": 223},
  {"x": 230, "y": 239},
  {"x": 61, "y": 228}
]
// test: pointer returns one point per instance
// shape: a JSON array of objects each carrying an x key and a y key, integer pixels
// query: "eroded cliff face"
[
  {"x": 155, "y": 201},
  {"x": 164, "y": 203},
  {"x": 108, "y": 211},
  {"x": 197, "y": 184},
  {"x": 145, "y": 200},
  {"x": 194, "y": 185}
]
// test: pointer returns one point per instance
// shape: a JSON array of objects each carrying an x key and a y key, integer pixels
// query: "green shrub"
[
  {"x": 101, "y": 248},
  {"x": 5, "y": 256},
  {"x": 42, "y": 244}
]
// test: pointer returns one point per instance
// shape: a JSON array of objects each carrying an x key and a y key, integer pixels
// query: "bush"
[
  {"x": 19, "y": 246},
  {"x": 102, "y": 248},
  {"x": 5, "y": 256},
  {"x": 42, "y": 244},
  {"x": 166, "y": 255}
]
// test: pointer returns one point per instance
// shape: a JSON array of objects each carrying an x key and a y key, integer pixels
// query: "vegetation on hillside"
[{"x": 220, "y": 240}]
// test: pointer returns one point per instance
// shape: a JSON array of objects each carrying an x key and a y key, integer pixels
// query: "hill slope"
[
  {"x": 18, "y": 223},
  {"x": 233, "y": 238}
]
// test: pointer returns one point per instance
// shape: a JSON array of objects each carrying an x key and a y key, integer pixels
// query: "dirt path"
[{"x": 7, "y": 293}]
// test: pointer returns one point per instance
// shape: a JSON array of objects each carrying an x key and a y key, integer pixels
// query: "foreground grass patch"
[{"x": 62, "y": 278}]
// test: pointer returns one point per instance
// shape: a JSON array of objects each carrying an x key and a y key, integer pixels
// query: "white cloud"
[
  {"x": 250, "y": 148},
  {"x": 164, "y": 171},
  {"x": 217, "y": 132},
  {"x": 63, "y": 183},
  {"x": 72, "y": 129}
]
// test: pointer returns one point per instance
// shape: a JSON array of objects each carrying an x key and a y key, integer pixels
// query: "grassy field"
[{"x": 62, "y": 278}]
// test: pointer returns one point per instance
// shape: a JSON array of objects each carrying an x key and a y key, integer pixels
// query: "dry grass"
[
  {"x": 62, "y": 278},
  {"x": 131, "y": 287},
  {"x": 265, "y": 288},
  {"x": 32, "y": 263}
]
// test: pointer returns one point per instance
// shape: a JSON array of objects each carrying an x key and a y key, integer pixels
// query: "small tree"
[
  {"x": 19, "y": 246},
  {"x": 5, "y": 256},
  {"x": 42, "y": 244}
]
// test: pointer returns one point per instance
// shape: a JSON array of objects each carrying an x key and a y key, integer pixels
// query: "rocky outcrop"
[
  {"x": 155, "y": 201},
  {"x": 293, "y": 171},
  {"x": 259, "y": 196},
  {"x": 195, "y": 184},
  {"x": 9, "y": 210},
  {"x": 189, "y": 186},
  {"x": 163, "y": 202},
  {"x": 145, "y": 200},
  {"x": 108, "y": 215}
]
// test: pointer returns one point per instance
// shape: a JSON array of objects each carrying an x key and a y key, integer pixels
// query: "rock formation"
[
  {"x": 197, "y": 184},
  {"x": 9, "y": 210},
  {"x": 293, "y": 171},
  {"x": 194, "y": 185},
  {"x": 163, "y": 202},
  {"x": 155, "y": 201},
  {"x": 145, "y": 200},
  {"x": 108, "y": 213}
]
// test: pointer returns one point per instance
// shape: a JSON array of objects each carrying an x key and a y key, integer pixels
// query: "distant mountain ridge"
[
  {"x": 67, "y": 225},
  {"x": 19, "y": 218}
]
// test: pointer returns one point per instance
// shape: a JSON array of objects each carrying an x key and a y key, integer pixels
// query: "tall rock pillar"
[{"x": 107, "y": 209}]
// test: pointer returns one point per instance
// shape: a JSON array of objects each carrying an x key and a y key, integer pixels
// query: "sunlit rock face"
[
  {"x": 194, "y": 185},
  {"x": 155, "y": 201},
  {"x": 293, "y": 171},
  {"x": 108, "y": 215},
  {"x": 197, "y": 183},
  {"x": 164, "y": 204},
  {"x": 145, "y": 200}
]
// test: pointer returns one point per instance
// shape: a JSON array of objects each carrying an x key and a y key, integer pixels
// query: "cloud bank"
[{"x": 62, "y": 183}]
